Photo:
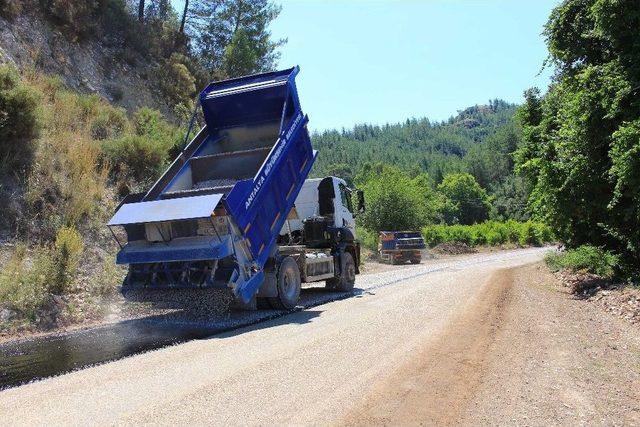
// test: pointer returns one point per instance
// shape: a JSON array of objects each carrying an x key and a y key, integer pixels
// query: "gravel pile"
[{"x": 214, "y": 183}]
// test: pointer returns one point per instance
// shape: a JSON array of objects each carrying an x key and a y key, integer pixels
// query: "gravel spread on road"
[{"x": 305, "y": 367}]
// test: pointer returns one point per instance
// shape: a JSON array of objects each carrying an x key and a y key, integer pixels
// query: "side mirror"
[{"x": 360, "y": 197}]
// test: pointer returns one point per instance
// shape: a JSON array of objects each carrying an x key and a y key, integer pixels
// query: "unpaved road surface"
[{"x": 482, "y": 340}]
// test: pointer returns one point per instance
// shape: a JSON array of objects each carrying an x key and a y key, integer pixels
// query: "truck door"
[{"x": 343, "y": 206}]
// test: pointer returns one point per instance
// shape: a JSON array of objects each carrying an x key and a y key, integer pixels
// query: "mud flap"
[{"x": 248, "y": 290}]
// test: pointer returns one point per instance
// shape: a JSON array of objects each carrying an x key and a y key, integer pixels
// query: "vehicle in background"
[{"x": 398, "y": 247}]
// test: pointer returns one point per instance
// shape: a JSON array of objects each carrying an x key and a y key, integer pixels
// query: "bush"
[
  {"x": 109, "y": 124},
  {"x": 368, "y": 239},
  {"x": 492, "y": 233},
  {"x": 66, "y": 256},
  {"x": 23, "y": 287},
  {"x": 77, "y": 16},
  {"x": 587, "y": 258},
  {"x": 26, "y": 285},
  {"x": 67, "y": 184},
  {"x": 19, "y": 123},
  {"x": 176, "y": 82},
  {"x": 141, "y": 156},
  {"x": 135, "y": 157}
]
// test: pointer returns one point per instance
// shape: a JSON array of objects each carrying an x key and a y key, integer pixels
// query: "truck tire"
[
  {"x": 415, "y": 261},
  {"x": 288, "y": 284},
  {"x": 348, "y": 276}
]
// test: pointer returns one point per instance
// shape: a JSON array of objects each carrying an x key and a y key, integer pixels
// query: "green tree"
[
  {"x": 237, "y": 26},
  {"x": 393, "y": 200},
  {"x": 431, "y": 202},
  {"x": 466, "y": 202},
  {"x": 582, "y": 139},
  {"x": 240, "y": 55}
]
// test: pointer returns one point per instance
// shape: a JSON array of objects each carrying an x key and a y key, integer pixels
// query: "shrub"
[
  {"x": 23, "y": 286},
  {"x": 106, "y": 282},
  {"x": 26, "y": 285},
  {"x": 109, "y": 124},
  {"x": 590, "y": 259},
  {"x": 368, "y": 239},
  {"x": 77, "y": 16},
  {"x": 175, "y": 80},
  {"x": 149, "y": 122},
  {"x": 138, "y": 158},
  {"x": 135, "y": 157},
  {"x": 66, "y": 256},
  {"x": 19, "y": 123},
  {"x": 492, "y": 233},
  {"x": 67, "y": 183}
]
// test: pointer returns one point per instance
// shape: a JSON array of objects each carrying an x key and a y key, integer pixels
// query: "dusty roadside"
[{"x": 524, "y": 352}]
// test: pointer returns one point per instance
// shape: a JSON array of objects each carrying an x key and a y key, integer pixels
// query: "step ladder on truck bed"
[{"x": 212, "y": 219}]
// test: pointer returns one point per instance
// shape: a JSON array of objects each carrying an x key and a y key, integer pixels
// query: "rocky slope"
[{"x": 29, "y": 41}]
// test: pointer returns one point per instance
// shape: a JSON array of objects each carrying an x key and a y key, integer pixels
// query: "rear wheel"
[
  {"x": 288, "y": 284},
  {"x": 415, "y": 261},
  {"x": 348, "y": 277}
]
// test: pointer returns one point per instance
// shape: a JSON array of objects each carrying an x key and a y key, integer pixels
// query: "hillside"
[
  {"x": 467, "y": 142},
  {"x": 89, "y": 65}
]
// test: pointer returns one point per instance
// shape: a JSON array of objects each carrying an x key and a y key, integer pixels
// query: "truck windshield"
[
  {"x": 408, "y": 235},
  {"x": 345, "y": 196}
]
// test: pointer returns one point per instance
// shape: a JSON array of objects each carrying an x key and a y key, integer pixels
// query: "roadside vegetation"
[
  {"x": 587, "y": 259},
  {"x": 581, "y": 139},
  {"x": 564, "y": 166},
  {"x": 65, "y": 165},
  {"x": 490, "y": 233}
]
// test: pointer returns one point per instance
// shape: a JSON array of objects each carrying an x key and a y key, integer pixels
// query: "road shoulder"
[{"x": 524, "y": 352}]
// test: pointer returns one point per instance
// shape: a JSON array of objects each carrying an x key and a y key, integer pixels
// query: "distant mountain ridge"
[{"x": 419, "y": 144}]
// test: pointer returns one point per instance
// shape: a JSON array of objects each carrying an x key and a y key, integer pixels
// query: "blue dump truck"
[
  {"x": 398, "y": 247},
  {"x": 224, "y": 213}
]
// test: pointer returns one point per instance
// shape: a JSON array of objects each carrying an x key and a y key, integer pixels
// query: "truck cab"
[{"x": 330, "y": 197}]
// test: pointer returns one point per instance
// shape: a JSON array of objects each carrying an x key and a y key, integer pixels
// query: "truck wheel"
[
  {"x": 415, "y": 261},
  {"x": 288, "y": 284},
  {"x": 348, "y": 278}
]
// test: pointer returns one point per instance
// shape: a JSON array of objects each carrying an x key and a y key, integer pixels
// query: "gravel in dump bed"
[{"x": 223, "y": 182}]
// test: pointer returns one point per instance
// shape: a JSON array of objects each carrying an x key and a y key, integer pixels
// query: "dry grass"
[
  {"x": 68, "y": 193},
  {"x": 67, "y": 182}
]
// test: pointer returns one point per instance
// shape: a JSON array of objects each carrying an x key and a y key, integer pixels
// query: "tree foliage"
[
  {"x": 478, "y": 140},
  {"x": 582, "y": 138},
  {"x": 394, "y": 201},
  {"x": 465, "y": 201},
  {"x": 239, "y": 27}
]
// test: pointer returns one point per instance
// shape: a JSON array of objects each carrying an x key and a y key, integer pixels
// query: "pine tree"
[{"x": 218, "y": 23}]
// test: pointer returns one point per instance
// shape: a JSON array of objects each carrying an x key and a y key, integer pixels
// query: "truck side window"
[{"x": 345, "y": 196}]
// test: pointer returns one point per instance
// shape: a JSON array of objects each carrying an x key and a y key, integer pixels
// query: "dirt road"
[{"x": 477, "y": 342}]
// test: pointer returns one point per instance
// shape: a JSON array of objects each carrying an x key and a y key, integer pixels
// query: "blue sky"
[{"x": 386, "y": 61}]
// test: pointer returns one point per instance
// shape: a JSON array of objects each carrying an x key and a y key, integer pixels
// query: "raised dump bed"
[{"x": 214, "y": 215}]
